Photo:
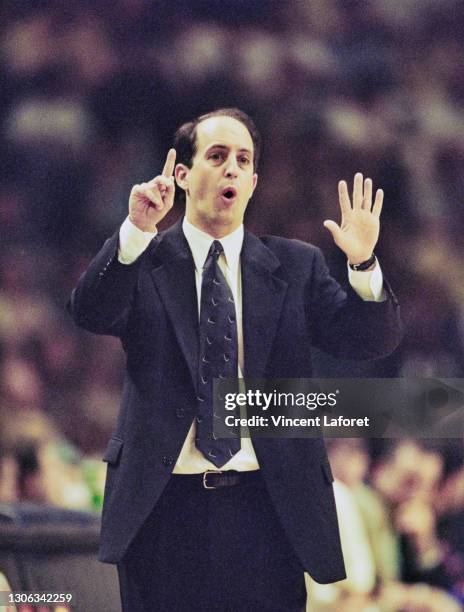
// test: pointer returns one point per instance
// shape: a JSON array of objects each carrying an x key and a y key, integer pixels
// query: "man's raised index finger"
[{"x": 168, "y": 169}]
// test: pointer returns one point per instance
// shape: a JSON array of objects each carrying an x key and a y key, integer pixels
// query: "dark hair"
[{"x": 185, "y": 138}]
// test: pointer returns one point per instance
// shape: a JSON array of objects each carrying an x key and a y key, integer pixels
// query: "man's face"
[{"x": 221, "y": 179}]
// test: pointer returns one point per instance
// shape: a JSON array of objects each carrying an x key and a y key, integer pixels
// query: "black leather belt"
[{"x": 215, "y": 479}]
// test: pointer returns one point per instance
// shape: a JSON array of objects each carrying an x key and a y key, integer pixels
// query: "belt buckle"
[{"x": 205, "y": 476}]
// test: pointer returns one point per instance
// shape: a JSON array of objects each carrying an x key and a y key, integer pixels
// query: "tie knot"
[{"x": 216, "y": 249}]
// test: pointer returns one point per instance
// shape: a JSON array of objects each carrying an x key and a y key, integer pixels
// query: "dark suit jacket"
[{"x": 290, "y": 302}]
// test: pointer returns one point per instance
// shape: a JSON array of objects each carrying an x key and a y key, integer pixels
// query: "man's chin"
[
  {"x": 226, "y": 216},
  {"x": 223, "y": 223}
]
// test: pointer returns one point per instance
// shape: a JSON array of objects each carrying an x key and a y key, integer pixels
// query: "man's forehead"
[{"x": 223, "y": 130}]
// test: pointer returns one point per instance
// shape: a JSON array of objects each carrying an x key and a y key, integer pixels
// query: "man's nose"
[{"x": 231, "y": 168}]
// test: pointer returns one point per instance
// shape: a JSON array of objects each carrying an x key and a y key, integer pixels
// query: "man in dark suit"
[{"x": 196, "y": 523}]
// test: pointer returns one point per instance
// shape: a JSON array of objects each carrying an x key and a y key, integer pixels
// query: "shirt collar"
[{"x": 200, "y": 244}]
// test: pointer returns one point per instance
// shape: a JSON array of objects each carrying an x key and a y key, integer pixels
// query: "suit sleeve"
[
  {"x": 346, "y": 326},
  {"x": 102, "y": 300}
]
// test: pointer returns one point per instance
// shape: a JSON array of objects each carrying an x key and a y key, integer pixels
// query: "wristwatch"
[{"x": 364, "y": 265}]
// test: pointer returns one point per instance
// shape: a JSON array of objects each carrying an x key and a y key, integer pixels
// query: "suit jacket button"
[
  {"x": 167, "y": 461},
  {"x": 180, "y": 413}
]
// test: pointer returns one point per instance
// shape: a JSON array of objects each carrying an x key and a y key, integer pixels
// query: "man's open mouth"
[{"x": 229, "y": 193}]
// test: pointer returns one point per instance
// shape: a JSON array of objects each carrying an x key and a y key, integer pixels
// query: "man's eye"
[
  {"x": 216, "y": 156},
  {"x": 244, "y": 160}
]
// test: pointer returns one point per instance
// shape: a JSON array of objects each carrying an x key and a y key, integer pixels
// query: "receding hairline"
[{"x": 218, "y": 144}]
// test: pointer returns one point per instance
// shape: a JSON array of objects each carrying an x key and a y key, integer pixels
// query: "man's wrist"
[
  {"x": 132, "y": 241},
  {"x": 363, "y": 265},
  {"x": 151, "y": 229}
]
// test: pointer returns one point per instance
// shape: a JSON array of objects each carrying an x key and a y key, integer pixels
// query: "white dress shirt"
[{"x": 132, "y": 243}]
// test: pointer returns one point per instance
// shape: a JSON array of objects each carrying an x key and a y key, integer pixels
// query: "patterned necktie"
[{"x": 218, "y": 355}]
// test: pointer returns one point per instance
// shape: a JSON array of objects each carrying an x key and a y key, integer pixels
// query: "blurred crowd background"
[{"x": 90, "y": 95}]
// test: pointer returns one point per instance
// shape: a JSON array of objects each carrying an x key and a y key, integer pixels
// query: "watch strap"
[{"x": 364, "y": 265}]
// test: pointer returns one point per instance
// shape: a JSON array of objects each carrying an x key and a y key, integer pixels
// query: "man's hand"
[
  {"x": 150, "y": 202},
  {"x": 359, "y": 230}
]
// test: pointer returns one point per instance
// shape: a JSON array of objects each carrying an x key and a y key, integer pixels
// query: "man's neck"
[{"x": 215, "y": 233}]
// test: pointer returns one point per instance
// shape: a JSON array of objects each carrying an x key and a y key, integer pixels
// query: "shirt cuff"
[
  {"x": 368, "y": 284},
  {"x": 132, "y": 242}
]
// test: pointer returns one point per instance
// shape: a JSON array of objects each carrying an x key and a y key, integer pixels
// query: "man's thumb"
[{"x": 333, "y": 228}]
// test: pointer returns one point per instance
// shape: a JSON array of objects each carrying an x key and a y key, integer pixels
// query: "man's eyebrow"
[{"x": 226, "y": 148}]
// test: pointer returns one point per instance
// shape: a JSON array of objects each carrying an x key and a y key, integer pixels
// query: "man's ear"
[
  {"x": 181, "y": 172},
  {"x": 255, "y": 180}
]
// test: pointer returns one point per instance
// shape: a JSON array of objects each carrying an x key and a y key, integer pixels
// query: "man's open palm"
[{"x": 358, "y": 232}]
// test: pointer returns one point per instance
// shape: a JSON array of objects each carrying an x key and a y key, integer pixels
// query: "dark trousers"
[{"x": 221, "y": 550}]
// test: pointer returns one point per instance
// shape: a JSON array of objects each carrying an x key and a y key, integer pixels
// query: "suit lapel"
[
  {"x": 174, "y": 276},
  {"x": 262, "y": 298}
]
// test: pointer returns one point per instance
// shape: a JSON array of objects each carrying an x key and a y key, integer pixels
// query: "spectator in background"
[
  {"x": 409, "y": 478},
  {"x": 38, "y": 466},
  {"x": 382, "y": 570}
]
